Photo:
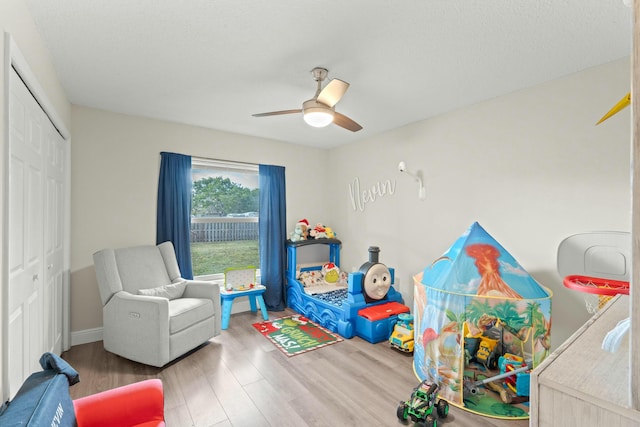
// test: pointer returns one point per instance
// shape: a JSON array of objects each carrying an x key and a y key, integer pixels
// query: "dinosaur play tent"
[{"x": 478, "y": 314}]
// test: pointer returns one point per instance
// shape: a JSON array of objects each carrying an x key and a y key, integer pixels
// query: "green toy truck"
[{"x": 421, "y": 405}]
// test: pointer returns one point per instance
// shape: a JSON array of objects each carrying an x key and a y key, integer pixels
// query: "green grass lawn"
[{"x": 214, "y": 257}]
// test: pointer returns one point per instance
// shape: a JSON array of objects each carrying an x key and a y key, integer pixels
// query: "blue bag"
[{"x": 43, "y": 399}]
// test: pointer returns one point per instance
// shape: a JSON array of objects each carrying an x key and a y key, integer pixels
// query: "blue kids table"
[
  {"x": 254, "y": 294},
  {"x": 241, "y": 282}
]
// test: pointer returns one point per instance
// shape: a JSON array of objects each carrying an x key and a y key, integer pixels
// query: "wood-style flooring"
[{"x": 240, "y": 379}]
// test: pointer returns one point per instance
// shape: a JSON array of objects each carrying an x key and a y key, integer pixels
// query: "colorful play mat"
[{"x": 296, "y": 334}]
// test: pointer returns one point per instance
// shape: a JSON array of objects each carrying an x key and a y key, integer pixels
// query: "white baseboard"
[
  {"x": 86, "y": 336},
  {"x": 92, "y": 335}
]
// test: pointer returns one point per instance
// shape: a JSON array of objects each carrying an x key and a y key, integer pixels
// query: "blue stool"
[{"x": 254, "y": 294}]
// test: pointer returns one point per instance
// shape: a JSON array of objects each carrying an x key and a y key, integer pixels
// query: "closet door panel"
[
  {"x": 54, "y": 240},
  {"x": 26, "y": 314}
]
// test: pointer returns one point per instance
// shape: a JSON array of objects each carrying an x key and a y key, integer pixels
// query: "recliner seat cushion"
[{"x": 184, "y": 312}]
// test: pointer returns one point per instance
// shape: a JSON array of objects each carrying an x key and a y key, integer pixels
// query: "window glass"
[{"x": 224, "y": 216}]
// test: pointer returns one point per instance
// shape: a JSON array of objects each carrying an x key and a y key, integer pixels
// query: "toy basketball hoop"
[{"x": 597, "y": 291}]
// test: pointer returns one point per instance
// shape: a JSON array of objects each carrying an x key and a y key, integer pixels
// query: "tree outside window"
[{"x": 224, "y": 216}]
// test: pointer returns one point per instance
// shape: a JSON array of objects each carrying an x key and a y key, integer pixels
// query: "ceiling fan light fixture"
[
  {"x": 316, "y": 114},
  {"x": 318, "y": 118}
]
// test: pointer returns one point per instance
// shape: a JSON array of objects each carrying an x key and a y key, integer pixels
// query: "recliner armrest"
[
  {"x": 137, "y": 404},
  {"x": 149, "y": 308},
  {"x": 201, "y": 289}
]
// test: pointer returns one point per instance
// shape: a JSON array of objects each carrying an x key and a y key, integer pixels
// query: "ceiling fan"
[{"x": 319, "y": 111}]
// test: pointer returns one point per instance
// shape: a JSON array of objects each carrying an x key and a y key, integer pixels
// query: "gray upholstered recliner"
[{"x": 150, "y": 313}]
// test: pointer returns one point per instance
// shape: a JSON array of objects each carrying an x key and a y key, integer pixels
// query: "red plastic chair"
[{"x": 139, "y": 404}]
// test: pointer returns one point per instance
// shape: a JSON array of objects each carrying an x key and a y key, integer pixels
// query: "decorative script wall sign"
[{"x": 360, "y": 198}]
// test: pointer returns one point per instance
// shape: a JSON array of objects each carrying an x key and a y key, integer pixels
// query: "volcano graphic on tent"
[
  {"x": 478, "y": 265},
  {"x": 473, "y": 305}
]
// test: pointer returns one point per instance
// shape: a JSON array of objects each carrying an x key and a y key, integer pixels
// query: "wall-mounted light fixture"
[{"x": 422, "y": 191}]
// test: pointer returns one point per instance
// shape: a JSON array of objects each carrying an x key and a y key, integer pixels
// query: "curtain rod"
[{"x": 229, "y": 163}]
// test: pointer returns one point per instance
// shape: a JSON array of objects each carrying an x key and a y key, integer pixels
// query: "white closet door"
[
  {"x": 54, "y": 227},
  {"x": 34, "y": 294}
]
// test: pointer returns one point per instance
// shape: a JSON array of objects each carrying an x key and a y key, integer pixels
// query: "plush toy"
[
  {"x": 330, "y": 233},
  {"x": 296, "y": 234},
  {"x": 304, "y": 227},
  {"x": 318, "y": 232},
  {"x": 331, "y": 272}
]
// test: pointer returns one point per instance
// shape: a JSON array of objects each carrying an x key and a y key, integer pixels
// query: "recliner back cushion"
[{"x": 141, "y": 267}]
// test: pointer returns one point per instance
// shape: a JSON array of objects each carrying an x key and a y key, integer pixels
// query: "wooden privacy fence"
[{"x": 224, "y": 229}]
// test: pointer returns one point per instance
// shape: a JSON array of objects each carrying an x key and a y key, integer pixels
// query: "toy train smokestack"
[{"x": 373, "y": 254}]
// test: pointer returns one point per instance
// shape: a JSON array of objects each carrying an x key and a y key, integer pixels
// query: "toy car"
[
  {"x": 421, "y": 404},
  {"x": 402, "y": 336},
  {"x": 488, "y": 352}
]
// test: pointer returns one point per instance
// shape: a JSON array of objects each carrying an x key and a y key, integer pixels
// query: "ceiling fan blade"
[
  {"x": 332, "y": 92},
  {"x": 277, "y": 113},
  {"x": 345, "y": 122}
]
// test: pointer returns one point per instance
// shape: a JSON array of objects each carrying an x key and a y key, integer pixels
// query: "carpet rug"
[{"x": 296, "y": 334}]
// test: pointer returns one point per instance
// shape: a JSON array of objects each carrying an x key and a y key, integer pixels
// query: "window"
[{"x": 224, "y": 216}]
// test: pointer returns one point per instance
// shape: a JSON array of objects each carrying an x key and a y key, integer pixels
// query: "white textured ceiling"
[{"x": 213, "y": 63}]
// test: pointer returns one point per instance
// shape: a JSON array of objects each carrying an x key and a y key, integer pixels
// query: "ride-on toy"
[{"x": 421, "y": 404}]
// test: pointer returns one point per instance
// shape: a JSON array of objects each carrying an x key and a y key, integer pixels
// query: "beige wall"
[
  {"x": 115, "y": 160},
  {"x": 530, "y": 167},
  {"x": 16, "y": 20}
]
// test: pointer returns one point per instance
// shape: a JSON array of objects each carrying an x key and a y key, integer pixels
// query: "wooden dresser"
[{"x": 582, "y": 385}]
